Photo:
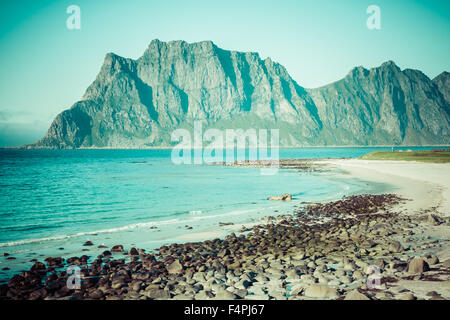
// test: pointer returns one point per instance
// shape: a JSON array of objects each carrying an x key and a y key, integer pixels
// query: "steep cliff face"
[
  {"x": 138, "y": 103},
  {"x": 383, "y": 105},
  {"x": 442, "y": 81}
]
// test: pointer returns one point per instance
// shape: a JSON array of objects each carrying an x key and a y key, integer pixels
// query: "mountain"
[
  {"x": 383, "y": 105},
  {"x": 138, "y": 103},
  {"x": 442, "y": 81}
]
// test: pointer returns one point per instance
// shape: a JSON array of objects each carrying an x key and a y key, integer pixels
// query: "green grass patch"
[{"x": 420, "y": 156}]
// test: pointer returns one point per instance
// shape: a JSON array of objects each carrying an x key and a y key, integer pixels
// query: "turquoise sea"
[{"x": 52, "y": 201}]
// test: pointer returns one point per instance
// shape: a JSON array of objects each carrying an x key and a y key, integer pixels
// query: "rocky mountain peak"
[
  {"x": 115, "y": 62},
  {"x": 443, "y": 78},
  {"x": 358, "y": 72},
  {"x": 159, "y": 49},
  {"x": 389, "y": 65}
]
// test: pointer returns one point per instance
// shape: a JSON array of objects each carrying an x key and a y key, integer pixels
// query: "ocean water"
[{"x": 52, "y": 201}]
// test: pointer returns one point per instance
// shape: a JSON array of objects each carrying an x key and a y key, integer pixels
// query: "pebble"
[
  {"x": 321, "y": 291},
  {"x": 446, "y": 263},
  {"x": 356, "y": 295},
  {"x": 225, "y": 295},
  {"x": 407, "y": 296},
  {"x": 117, "y": 248},
  {"x": 417, "y": 265},
  {"x": 204, "y": 295}
]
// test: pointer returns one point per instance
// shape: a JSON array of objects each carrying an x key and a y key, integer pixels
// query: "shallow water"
[{"x": 53, "y": 199}]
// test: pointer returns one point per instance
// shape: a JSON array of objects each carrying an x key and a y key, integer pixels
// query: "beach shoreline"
[
  {"x": 427, "y": 184},
  {"x": 417, "y": 224},
  {"x": 192, "y": 226}
]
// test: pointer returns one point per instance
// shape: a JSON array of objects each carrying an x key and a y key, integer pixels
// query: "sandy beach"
[{"x": 427, "y": 184}]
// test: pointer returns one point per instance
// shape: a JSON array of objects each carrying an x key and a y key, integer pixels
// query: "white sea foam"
[
  {"x": 80, "y": 234},
  {"x": 194, "y": 217},
  {"x": 223, "y": 215}
]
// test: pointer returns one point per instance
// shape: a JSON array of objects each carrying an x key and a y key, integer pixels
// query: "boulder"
[
  {"x": 297, "y": 289},
  {"x": 446, "y": 263},
  {"x": 182, "y": 297},
  {"x": 223, "y": 253},
  {"x": 54, "y": 261},
  {"x": 96, "y": 294},
  {"x": 38, "y": 266},
  {"x": 38, "y": 294},
  {"x": 321, "y": 291},
  {"x": 204, "y": 295},
  {"x": 434, "y": 220},
  {"x": 284, "y": 197},
  {"x": 357, "y": 275},
  {"x": 356, "y": 295},
  {"x": 292, "y": 274},
  {"x": 158, "y": 294},
  {"x": 407, "y": 296},
  {"x": 432, "y": 260},
  {"x": 117, "y": 248},
  {"x": 418, "y": 265},
  {"x": 395, "y": 246},
  {"x": 175, "y": 267},
  {"x": 225, "y": 295},
  {"x": 117, "y": 284},
  {"x": 136, "y": 286},
  {"x": 133, "y": 252},
  {"x": 223, "y": 224}
]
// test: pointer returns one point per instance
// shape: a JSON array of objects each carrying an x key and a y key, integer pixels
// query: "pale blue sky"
[{"x": 45, "y": 67}]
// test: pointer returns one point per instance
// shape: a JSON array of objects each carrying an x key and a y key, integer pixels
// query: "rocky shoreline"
[
  {"x": 357, "y": 248},
  {"x": 306, "y": 165}
]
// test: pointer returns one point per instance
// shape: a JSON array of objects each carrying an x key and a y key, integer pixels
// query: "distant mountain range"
[{"x": 138, "y": 103}]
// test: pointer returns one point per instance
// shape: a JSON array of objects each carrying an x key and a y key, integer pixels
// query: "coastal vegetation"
[{"x": 433, "y": 156}]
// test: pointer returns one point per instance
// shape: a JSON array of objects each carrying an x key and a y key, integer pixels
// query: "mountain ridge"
[{"x": 137, "y": 103}]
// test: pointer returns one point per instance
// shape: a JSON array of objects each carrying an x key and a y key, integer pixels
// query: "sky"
[{"x": 46, "y": 67}]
